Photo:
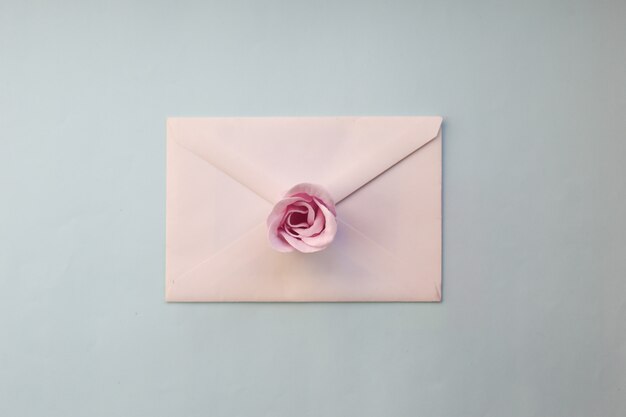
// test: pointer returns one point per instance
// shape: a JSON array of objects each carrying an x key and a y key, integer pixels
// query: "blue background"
[{"x": 533, "y": 321}]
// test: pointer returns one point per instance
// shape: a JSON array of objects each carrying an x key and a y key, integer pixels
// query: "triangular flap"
[
  {"x": 210, "y": 139},
  {"x": 271, "y": 154},
  {"x": 199, "y": 198},
  {"x": 389, "y": 140}
]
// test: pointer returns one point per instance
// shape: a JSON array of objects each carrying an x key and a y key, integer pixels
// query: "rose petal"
[
  {"x": 302, "y": 196},
  {"x": 310, "y": 210},
  {"x": 278, "y": 243},
  {"x": 290, "y": 221},
  {"x": 315, "y": 228},
  {"x": 297, "y": 209},
  {"x": 292, "y": 232},
  {"x": 327, "y": 235},
  {"x": 278, "y": 212},
  {"x": 314, "y": 191},
  {"x": 274, "y": 221},
  {"x": 298, "y": 244},
  {"x": 330, "y": 206}
]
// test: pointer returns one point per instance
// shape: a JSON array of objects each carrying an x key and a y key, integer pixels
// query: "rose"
[{"x": 303, "y": 220}]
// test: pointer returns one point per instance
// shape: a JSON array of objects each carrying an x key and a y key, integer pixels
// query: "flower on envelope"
[{"x": 304, "y": 220}]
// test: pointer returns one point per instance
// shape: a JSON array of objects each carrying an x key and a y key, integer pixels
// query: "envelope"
[{"x": 224, "y": 175}]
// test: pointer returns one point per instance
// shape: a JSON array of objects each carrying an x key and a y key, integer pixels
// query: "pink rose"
[{"x": 303, "y": 220}]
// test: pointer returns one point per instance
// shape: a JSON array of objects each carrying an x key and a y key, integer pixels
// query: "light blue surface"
[{"x": 533, "y": 321}]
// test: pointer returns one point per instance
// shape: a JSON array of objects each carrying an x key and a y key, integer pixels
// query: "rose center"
[{"x": 298, "y": 218}]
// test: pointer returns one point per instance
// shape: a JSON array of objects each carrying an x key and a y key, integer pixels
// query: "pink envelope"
[{"x": 225, "y": 174}]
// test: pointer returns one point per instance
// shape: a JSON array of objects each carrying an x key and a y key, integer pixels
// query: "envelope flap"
[
  {"x": 270, "y": 155},
  {"x": 389, "y": 140},
  {"x": 213, "y": 139}
]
